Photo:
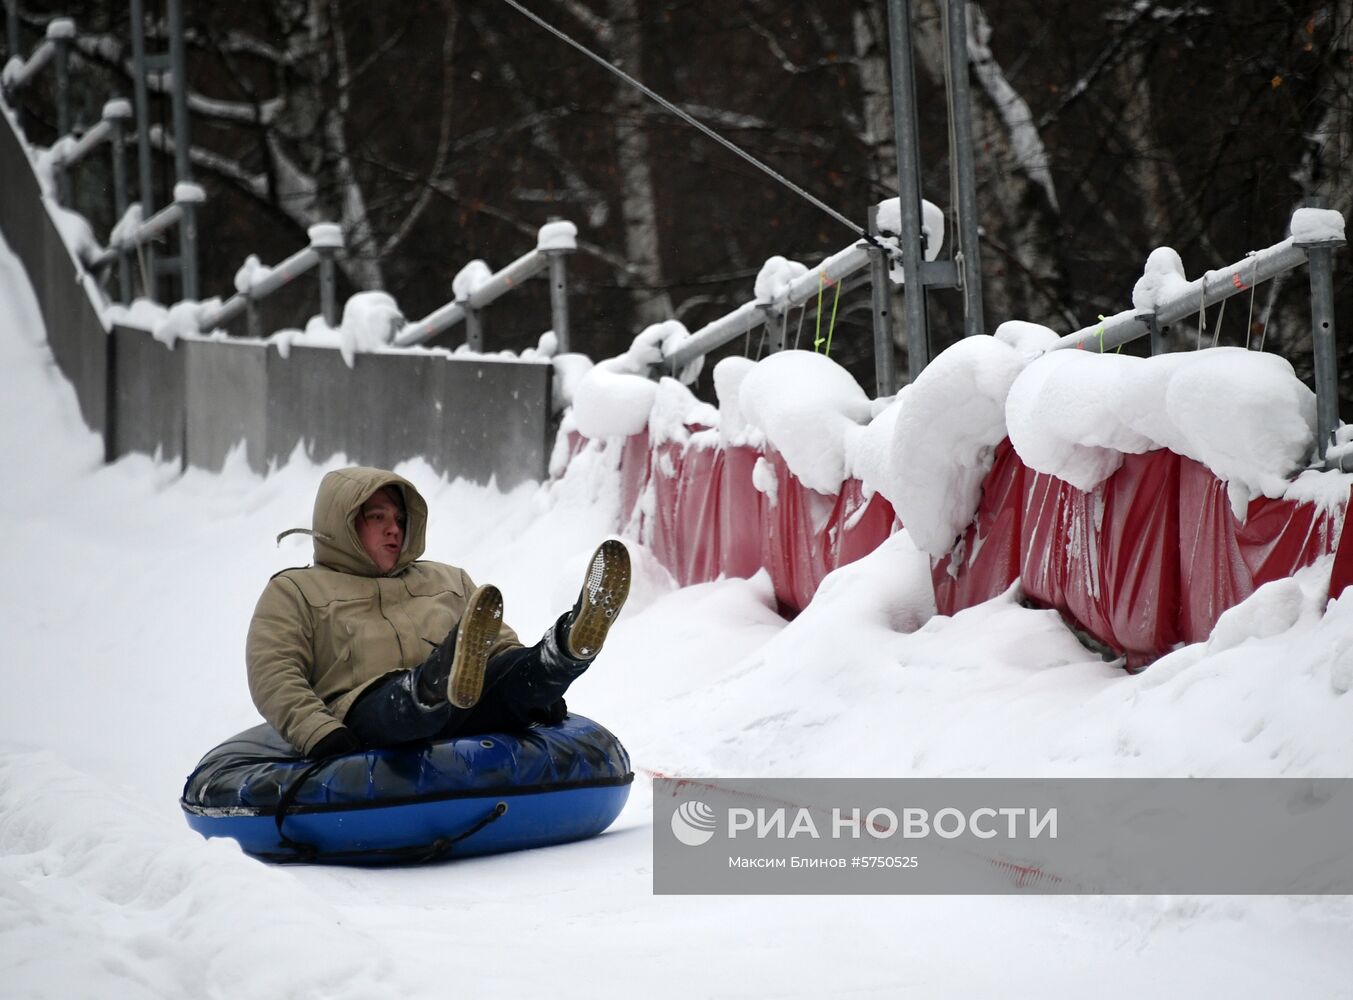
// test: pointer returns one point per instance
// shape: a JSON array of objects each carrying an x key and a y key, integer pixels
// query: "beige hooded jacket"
[{"x": 321, "y": 635}]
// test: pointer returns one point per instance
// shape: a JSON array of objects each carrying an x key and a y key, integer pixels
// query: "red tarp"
[{"x": 1148, "y": 560}]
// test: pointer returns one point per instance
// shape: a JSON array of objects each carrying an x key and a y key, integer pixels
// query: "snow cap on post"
[
  {"x": 325, "y": 236},
  {"x": 1312, "y": 226},
  {"x": 188, "y": 193},
  {"x": 560, "y": 235},
  {"x": 118, "y": 109}
]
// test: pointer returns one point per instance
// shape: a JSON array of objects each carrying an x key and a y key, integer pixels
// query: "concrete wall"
[
  {"x": 146, "y": 396},
  {"x": 76, "y": 333},
  {"x": 478, "y": 419}
]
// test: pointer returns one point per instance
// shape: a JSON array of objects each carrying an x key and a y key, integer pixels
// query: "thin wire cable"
[{"x": 668, "y": 105}]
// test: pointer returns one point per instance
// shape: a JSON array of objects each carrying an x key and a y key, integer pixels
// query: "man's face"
[{"x": 380, "y": 528}]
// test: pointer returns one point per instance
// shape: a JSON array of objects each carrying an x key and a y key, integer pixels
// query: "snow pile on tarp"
[
  {"x": 946, "y": 433},
  {"x": 805, "y": 405},
  {"x": 615, "y": 397},
  {"x": 1243, "y": 414}
]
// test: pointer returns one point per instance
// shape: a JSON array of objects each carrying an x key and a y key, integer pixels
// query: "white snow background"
[{"x": 127, "y": 592}]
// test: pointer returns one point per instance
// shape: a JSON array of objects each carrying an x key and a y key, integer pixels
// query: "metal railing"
[
  {"x": 326, "y": 239},
  {"x": 847, "y": 268},
  {"x": 554, "y": 241},
  {"x": 1195, "y": 297}
]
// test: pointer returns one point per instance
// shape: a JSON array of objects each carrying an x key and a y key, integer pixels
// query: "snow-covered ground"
[{"x": 127, "y": 590}]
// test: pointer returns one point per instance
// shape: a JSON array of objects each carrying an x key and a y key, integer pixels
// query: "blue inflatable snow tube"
[{"x": 470, "y": 795}]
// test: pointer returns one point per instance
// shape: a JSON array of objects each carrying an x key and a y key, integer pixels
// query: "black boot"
[
  {"x": 599, "y": 602},
  {"x": 455, "y": 670}
]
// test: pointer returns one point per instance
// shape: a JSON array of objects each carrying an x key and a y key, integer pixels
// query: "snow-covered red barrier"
[
  {"x": 1146, "y": 561},
  {"x": 1143, "y": 563},
  {"x": 710, "y": 511},
  {"x": 1141, "y": 498}
]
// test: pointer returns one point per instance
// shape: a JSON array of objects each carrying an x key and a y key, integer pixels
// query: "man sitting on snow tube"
[{"x": 373, "y": 647}]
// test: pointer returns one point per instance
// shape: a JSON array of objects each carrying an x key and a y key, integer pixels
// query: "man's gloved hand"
[{"x": 337, "y": 743}]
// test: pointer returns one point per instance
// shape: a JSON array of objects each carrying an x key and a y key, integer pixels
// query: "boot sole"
[
  {"x": 477, "y": 632},
  {"x": 604, "y": 592}
]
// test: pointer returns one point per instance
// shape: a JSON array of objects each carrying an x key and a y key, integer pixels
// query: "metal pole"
[
  {"x": 63, "y": 191},
  {"x": 328, "y": 297},
  {"x": 178, "y": 67},
  {"x": 12, "y": 27},
  {"x": 960, "y": 120},
  {"x": 908, "y": 182},
  {"x": 144, "y": 176},
  {"x": 777, "y": 330},
  {"x": 885, "y": 371},
  {"x": 1322, "y": 335},
  {"x": 1152, "y": 322},
  {"x": 119, "y": 154},
  {"x": 474, "y": 331},
  {"x": 559, "y": 298}
]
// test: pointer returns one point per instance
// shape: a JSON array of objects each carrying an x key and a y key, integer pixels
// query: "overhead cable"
[{"x": 668, "y": 105}]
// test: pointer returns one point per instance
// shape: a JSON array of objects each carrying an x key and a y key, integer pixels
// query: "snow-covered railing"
[
  {"x": 255, "y": 281},
  {"x": 476, "y": 288},
  {"x": 70, "y": 150},
  {"x": 132, "y": 231},
  {"x": 18, "y": 72},
  {"x": 776, "y": 298},
  {"x": 1163, "y": 297}
]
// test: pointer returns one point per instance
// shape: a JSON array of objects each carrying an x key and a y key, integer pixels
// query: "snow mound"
[
  {"x": 470, "y": 279},
  {"x": 149, "y": 909},
  {"x": 804, "y": 403},
  {"x": 1162, "y": 279},
  {"x": 775, "y": 277},
  {"x": 950, "y": 422},
  {"x": 1243, "y": 414},
  {"x": 370, "y": 322},
  {"x": 615, "y": 398}
]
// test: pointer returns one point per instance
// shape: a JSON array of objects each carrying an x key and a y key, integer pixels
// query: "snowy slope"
[{"x": 127, "y": 592}]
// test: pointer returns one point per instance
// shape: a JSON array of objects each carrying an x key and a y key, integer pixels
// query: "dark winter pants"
[{"x": 521, "y": 686}]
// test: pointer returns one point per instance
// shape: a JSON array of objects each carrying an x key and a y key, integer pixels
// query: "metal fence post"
[
  {"x": 183, "y": 172},
  {"x": 474, "y": 330},
  {"x": 1152, "y": 322},
  {"x": 1322, "y": 336},
  {"x": 777, "y": 331},
  {"x": 328, "y": 298},
  {"x": 559, "y": 298},
  {"x": 960, "y": 117},
  {"x": 145, "y": 179},
  {"x": 61, "y": 39},
  {"x": 1320, "y": 265},
  {"x": 885, "y": 371},
  {"x": 118, "y": 144},
  {"x": 908, "y": 182},
  {"x": 12, "y": 28}
]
